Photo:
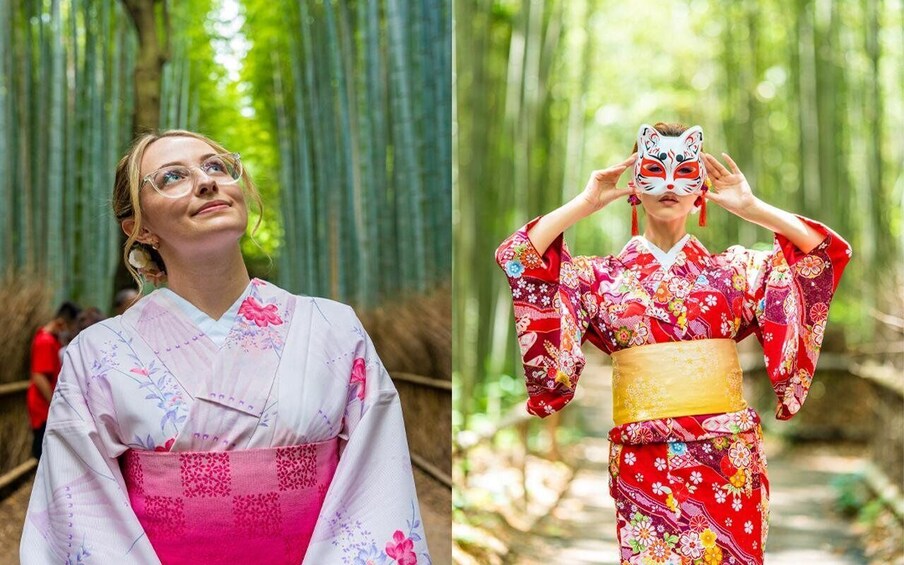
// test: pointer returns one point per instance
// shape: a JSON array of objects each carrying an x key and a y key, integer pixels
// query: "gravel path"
[
  {"x": 12, "y": 513},
  {"x": 580, "y": 530}
]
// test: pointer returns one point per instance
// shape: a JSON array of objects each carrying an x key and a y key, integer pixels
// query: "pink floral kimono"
[{"x": 273, "y": 437}]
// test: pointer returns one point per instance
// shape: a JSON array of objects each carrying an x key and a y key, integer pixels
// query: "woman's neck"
[
  {"x": 664, "y": 234},
  {"x": 211, "y": 282}
]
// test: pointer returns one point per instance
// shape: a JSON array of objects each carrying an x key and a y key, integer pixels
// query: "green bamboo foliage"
[
  {"x": 7, "y": 140},
  {"x": 177, "y": 91},
  {"x": 55, "y": 156},
  {"x": 360, "y": 106},
  {"x": 64, "y": 71}
]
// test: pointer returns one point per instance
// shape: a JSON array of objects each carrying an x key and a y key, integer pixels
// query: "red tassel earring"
[
  {"x": 701, "y": 202},
  {"x": 634, "y": 200}
]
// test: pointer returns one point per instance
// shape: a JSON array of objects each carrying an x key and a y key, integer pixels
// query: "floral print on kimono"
[
  {"x": 781, "y": 295},
  {"x": 293, "y": 370}
]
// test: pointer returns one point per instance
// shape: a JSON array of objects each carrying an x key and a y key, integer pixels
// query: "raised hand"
[
  {"x": 730, "y": 189},
  {"x": 601, "y": 189}
]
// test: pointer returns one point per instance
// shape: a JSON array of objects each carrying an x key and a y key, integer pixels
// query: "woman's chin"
[{"x": 667, "y": 211}]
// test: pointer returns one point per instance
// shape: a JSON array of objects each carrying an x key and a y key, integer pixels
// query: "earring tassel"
[
  {"x": 634, "y": 200},
  {"x": 702, "y": 212},
  {"x": 634, "y": 228}
]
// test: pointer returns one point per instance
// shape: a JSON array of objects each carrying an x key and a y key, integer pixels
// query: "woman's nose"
[
  {"x": 204, "y": 182},
  {"x": 670, "y": 186}
]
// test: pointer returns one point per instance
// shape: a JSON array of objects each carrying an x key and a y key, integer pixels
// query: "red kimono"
[{"x": 690, "y": 489}]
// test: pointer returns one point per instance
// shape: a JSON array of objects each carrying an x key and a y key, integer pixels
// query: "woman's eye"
[
  {"x": 654, "y": 168},
  {"x": 685, "y": 170},
  {"x": 214, "y": 167},
  {"x": 169, "y": 177}
]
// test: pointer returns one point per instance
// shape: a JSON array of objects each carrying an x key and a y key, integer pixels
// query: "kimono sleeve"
[
  {"x": 79, "y": 511},
  {"x": 553, "y": 303},
  {"x": 371, "y": 512},
  {"x": 787, "y": 305}
]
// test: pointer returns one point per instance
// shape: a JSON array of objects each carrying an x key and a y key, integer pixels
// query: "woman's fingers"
[
  {"x": 719, "y": 166},
  {"x": 734, "y": 166},
  {"x": 710, "y": 169},
  {"x": 620, "y": 168},
  {"x": 714, "y": 166}
]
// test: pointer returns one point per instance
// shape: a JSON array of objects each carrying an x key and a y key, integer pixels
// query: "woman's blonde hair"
[{"x": 127, "y": 185}]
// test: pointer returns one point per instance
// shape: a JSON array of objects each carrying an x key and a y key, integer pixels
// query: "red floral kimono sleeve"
[
  {"x": 786, "y": 305},
  {"x": 551, "y": 319}
]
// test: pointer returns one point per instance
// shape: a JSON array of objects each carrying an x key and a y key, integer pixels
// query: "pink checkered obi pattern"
[{"x": 247, "y": 506}]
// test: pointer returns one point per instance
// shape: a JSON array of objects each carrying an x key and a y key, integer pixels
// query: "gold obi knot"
[{"x": 680, "y": 378}]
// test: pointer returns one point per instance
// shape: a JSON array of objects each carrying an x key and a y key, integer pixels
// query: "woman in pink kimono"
[
  {"x": 687, "y": 469},
  {"x": 220, "y": 419}
]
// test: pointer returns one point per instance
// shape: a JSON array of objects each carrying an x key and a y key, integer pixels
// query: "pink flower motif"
[
  {"x": 139, "y": 371},
  {"x": 167, "y": 446},
  {"x": 401, "y": 549},
  {"x": 359, "y": 375},
  {"x": 261, "y": 315}
]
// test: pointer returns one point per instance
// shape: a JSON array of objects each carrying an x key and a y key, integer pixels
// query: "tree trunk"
[{"x": 153, "y": 52}]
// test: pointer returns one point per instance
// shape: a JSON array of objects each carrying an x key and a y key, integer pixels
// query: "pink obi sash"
[{"x": 247, "y": 506}]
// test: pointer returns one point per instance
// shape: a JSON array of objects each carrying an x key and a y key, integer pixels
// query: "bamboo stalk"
[{"x": 6, "y": 128}]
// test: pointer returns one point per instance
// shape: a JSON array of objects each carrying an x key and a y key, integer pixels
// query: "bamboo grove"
[
  {"x": 360, "y": 93},
  {"x": 342, "y": 112},
  {"x": 64, "y": 90},
  {"x": 804, "y": 95}
]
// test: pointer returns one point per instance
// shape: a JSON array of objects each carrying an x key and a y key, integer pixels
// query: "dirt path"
[
  {"x": 12, "y": 513},
  {"x": 580, "y": 530}
]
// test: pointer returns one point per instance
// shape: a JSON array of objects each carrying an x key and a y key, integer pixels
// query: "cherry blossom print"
[
  {"x": 166, "y": 446},
  {"x": 401, "y": 549},
  {"x": 359, "y": 376},
  {"x": 261, "y": 315},
  {"x": 810, "y": 267}
]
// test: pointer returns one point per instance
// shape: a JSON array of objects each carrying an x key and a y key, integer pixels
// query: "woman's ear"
[{"x": 128, "y": 226}]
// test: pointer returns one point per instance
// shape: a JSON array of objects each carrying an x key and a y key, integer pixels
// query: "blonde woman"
[{"x": 220, "y": 419}]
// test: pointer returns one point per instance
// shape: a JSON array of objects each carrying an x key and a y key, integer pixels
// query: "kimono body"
[
  {"x": 284, "y": 442},
  {"x": 690, "y": 487}
]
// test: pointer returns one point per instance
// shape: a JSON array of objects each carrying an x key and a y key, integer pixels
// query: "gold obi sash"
[{"x": 680, "y": 378}]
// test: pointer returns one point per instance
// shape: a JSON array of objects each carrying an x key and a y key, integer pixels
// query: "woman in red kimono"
[{"x": 687, "y": 469}]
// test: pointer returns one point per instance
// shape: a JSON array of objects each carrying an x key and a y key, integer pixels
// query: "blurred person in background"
[
  {"x": 123, "y": 299},
  {"x": 87, "y": 317},
  {"x": 45, "y": 368}
]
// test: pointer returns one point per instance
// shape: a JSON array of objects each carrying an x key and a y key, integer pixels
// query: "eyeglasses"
[{"x": 178, "y": 180}]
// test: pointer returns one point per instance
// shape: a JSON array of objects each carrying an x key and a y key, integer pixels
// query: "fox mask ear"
[
  {"x": 647, "y": 139},
  {"x": 692, "y": 141}
]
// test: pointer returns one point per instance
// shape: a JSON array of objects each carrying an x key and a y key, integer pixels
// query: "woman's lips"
[{"x": 213, "y": 209}]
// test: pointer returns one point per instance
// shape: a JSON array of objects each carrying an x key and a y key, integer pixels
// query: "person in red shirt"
[{"x": 45, "y": 367}]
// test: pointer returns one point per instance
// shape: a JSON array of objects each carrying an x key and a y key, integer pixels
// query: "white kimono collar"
[{"x": 216, "y": 330}]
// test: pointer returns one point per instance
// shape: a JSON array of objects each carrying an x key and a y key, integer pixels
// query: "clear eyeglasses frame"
[{"x": 176, "y": 181}]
